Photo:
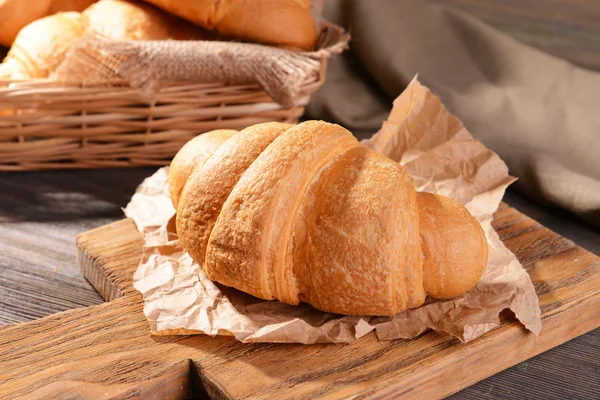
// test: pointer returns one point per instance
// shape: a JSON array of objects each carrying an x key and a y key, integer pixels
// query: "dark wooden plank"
[
  {"x": 93, "y": 350},
  {"x": 41, "y": 213},
  {"x": 109, "y": 345},
  {"x": 564, "y": 367},
  {"x": 571, "y": 370},
  {"x": 111, "y": 272}
]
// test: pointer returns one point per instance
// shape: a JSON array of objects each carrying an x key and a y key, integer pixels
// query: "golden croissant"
[{"x": 305, "y": 213}]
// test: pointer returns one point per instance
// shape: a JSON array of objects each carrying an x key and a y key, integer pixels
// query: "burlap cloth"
[
  {"x": 538, "y": 112},
  {"x": 149, "y": 65}
]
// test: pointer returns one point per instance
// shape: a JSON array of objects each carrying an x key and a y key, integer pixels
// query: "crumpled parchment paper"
[{"x": 441, "y": 157}]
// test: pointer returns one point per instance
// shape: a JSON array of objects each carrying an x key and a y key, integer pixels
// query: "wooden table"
[{"x": 42, "y": 212}]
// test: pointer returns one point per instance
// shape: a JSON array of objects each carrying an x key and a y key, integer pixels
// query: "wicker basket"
[{"x": 52, "y": 125}]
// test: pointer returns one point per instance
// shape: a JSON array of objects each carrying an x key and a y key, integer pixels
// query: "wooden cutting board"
[{"x": 106, "y": 351}]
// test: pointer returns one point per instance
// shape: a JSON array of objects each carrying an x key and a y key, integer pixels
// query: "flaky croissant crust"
[{"x": 304, "y": 213}]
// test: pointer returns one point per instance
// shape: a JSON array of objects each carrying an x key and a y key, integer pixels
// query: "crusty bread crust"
[
  {"x": 42, "y": 45},
  {"x": 286, "y": 23},
  {"x": 208, "y": 187},
  {"x": 191, "y": 155},
  {"x": 304, "y": 213}
]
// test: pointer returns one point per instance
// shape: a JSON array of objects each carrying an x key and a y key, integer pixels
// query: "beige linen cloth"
[{"x": 538, "y": 112}]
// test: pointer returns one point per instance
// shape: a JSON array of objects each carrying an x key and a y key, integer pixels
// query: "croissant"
[
  {"x": 305, "y": 213},
  {"x": 285, "y": 23}
]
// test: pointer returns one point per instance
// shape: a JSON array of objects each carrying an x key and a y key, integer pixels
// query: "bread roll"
[
  {"x": 15, "y": 14},
  {"x": 286, "y": 23},
  {"x": 42, "y": 45},
  {"x": 135, "y": 20},
  {"x": 304, "y": 213}
]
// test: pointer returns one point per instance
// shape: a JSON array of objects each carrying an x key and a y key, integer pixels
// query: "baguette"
[
  {"x": 285, "y": 23},
  {"x": 136, "y": 20}
]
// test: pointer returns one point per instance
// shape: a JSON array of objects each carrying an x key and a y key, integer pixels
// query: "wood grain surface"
[
  {"x": 42, "y": 213},
  {"x": 107, "y": 348}
]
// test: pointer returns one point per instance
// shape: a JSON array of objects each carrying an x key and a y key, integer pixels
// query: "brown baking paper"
[{"x": 440, "y": 155}]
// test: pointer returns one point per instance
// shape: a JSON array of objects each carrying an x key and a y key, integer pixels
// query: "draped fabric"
[{"x": 540, "y": 113}]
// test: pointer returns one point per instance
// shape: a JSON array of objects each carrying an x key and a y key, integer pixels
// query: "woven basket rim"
[
  {"x": 48, "y": 124},
  {"x": 324, "y": 40}
]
